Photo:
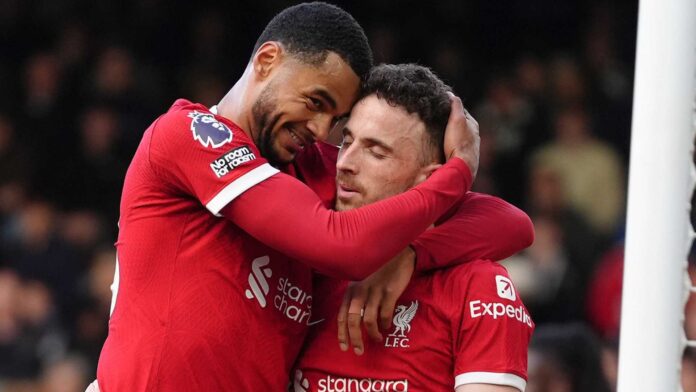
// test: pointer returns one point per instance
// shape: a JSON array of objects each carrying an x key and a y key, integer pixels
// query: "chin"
[{"x": 341, "y": 206}]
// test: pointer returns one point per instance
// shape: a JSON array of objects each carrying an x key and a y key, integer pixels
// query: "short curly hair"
[
  {"x": 309, "y": 31},
  {"x": 418, "y": 90}
]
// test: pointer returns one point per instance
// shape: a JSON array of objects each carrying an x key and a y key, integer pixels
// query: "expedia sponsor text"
[{"x": 496, "y": 310}]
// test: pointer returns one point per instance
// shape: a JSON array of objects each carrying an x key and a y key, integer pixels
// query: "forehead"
[
  {"x": 375, "y": 118},
  {"x": 333, "y": 75}
]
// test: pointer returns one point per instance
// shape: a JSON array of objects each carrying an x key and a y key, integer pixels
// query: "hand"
[
  {"x": 372, "y": 301},
  {"x": 462, "y": 138}
]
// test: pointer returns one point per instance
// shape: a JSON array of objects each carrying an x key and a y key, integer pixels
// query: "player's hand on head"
[
  {"x": 371, "y": 302},
  {"x": 462, "y": 138}
]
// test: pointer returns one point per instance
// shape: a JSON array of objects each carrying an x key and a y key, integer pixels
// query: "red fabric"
[
  {"x": 350, "y": 244},
  {"x": 481, "y": 226},
  {"x": 199, "y": 298},
  {"x": 187, "y": 317},
  {"x": 604, "y": 294},
  {"x": 449, "y": 334}
]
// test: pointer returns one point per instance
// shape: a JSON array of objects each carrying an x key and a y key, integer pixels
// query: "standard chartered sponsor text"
[{"x": 341, "y": 384}]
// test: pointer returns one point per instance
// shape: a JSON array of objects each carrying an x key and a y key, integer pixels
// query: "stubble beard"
[{"x": 265, "y": 122}]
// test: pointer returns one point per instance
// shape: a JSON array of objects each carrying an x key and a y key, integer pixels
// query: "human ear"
[
  {"x": 425, "y": 172},
  {"x": 267, "y": 58}
]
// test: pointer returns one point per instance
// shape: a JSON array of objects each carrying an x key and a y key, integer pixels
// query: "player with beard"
[
  {"x": 207, "y": 295},
  {"x": 462, "y": 328}
]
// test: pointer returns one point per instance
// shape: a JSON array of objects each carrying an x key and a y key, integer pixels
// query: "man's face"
[
  {"x": 300, "y": 104},
  {"x": 381, "y": 155}
]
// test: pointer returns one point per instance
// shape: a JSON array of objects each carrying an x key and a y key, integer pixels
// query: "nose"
[
  {"x": 347, "y": 162},
  {"x": 320, "y": 126}
]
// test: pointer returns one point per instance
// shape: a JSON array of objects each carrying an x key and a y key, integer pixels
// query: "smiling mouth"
[{"x": 296, "y": 138}]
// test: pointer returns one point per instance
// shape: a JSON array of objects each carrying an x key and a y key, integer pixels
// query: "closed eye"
[{"x": 376, "y": 154}]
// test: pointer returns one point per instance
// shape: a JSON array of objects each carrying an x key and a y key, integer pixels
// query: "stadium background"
[{"x": 549, "y": 81}]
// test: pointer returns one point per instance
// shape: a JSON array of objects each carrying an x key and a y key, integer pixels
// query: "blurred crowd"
[{"x": 550, "y": 84}]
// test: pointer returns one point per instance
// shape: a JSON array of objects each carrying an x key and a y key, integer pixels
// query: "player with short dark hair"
[
  {"x": 418, "y": 91},
  {"x": 207, "y": 292},
  {"x": 462, "y": 328},
  {"x": 311, "y": 30},
  {"x": 309, "y": 33}
]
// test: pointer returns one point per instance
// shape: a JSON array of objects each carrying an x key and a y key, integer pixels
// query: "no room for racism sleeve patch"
[{"x": 231, "y": 159}]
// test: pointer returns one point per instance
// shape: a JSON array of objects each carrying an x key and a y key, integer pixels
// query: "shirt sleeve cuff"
[
  {"x": 239, "y": 186},
  {"x": 506, "y": 379}
]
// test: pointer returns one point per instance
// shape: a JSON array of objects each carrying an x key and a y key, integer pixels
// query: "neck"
[{"x": 236, "y": 106}]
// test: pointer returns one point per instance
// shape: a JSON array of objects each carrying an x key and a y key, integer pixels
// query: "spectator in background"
[
  {"x": 530, "y": 79},
  {"x": 98, "y": 166},
  {"x": 15, "y": 174},
  {"x": 91, "y": 326},
  {"x": 65, "y": 375},
  {"x": 545, "y": 276},
  {"x": 590, "y": 170},
  {"x": 506, "y": 115},
  {"x": 36, "y": 252},
  {"x": 567, "y": 83},
  {"x": 565, "y": 358},
  {"x": 31, "y": 333},
  {"x": 604, "y": 293}
]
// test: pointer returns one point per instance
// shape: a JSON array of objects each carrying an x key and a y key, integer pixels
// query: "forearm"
[{"x": 350, "y": 244}]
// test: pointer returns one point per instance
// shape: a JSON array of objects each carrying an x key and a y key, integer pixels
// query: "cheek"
[{"x": 385, "y": 179}]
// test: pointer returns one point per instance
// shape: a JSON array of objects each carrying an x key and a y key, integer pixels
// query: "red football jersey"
[
  {"x": 197, "y": 297},
  {"x": 199, "y": 304},
  {"x": 461, "y": 325}
]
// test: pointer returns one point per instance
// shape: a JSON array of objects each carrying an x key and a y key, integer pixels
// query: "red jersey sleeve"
[
  {"x": 204, "y": 155},
  {"x": 480, "y": 227},
  {"x": 316, "y": 167},
  {"x": 286, "y": 215},
  {"x": 492, "y": 330}
]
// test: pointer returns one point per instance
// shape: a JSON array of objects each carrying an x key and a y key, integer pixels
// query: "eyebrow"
[
  {"x": 370, "y": 140},
  {"x": 326, "y": 96}
]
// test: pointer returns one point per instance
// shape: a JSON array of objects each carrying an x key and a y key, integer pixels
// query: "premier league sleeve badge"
[{"x": 210, "y": 132}]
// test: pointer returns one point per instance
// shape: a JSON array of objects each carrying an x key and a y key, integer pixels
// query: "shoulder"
[
  {"x": 186, "y": 121},
  {"x": 475, "y": 272},
  {"x": 480, "y": 277}
]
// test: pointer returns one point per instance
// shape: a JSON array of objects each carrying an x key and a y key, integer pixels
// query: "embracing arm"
[{"x": 286, "y": 215}]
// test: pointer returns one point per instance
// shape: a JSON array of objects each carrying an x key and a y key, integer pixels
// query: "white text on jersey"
[{"x": 496, "y": 310}]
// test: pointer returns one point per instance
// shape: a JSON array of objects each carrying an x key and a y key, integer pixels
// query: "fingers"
[
  {"x": 457, "y": 105},
  {"x": 387, "y": 310},
  {"x": 462, "y": 135},
  {"x": 342, "y": 320},
  {"x": 354, "y": 332},
  {"x": 355, "y": 315},
  {"x": 350, "y": 318},
  {"x": 370, "y": 319}
]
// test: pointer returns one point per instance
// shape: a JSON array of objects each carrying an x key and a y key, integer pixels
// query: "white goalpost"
[{"x": 661, "y": 181}]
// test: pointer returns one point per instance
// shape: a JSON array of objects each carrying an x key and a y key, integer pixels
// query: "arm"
[
  {"x": 481, "y": 227},
  {"x": 353, "y": 243},
  {"x": 230, "y": 178}
]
